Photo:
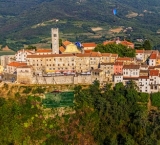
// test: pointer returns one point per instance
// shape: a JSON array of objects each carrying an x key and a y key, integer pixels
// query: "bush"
[
  {"x": 143, "y": 97},
  {"x": 27, "y": 90},
  {"x": 155, "y": 99}
]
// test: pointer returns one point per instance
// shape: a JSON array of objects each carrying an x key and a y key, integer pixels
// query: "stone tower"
[{"x": 55, "y": 40}]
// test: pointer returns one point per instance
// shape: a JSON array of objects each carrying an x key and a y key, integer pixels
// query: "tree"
[
  {"x": 147, "y": 45},
  {"x": 120, "y": 49},
  {"x": 30, "y": 47}
]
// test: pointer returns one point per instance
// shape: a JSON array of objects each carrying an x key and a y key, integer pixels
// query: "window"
[{"x": 54, "y": 35}]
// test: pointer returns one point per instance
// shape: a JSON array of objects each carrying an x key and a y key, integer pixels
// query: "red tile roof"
[
  {"x": 154, "y": 72},
  {"x": 43, "y": 50},
  {"x": 140, "y": 51},
  {"x": 124, "y": 59},
  {"x": 65, "y": 43},
  {"x": 106, "y": 54},
  {"x": 108, "y": 42},
  {"x": 131, "y": 66},
  {"x": 17, "y": 64},
  {"x": 126, "y": 43},
  {"x": 143, "y": 77},
  {"x": 153, "y": 56},
  {"x": 118, "y": 63},
  {"x": 87, "y": 51},
  {"x": 131, "y": 78},
  {"x": 95, "y": 54},
  {"x": 114, "y": 55},
  {"x": 25, "y": 66},
  {"x": 151, "y": 67},
  {"x": 49, "y": 55},
  {"x": 83, "y": 54},
  {"x": 61, "y": 49},
  {"x": 92, "y": 44}
]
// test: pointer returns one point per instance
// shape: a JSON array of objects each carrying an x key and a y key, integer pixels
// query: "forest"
[
  {"x": 76, "y": 18},
  {"x": 107, "y": 115}
]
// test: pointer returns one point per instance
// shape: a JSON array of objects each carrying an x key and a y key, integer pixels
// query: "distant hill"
[{"x": 28, "y": 22}]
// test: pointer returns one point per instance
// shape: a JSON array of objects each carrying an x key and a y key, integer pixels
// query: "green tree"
[
  {"x": 147, "y": 45},
  {"x": 30, "y": 47},
  {"x": 120, "y": 49}
]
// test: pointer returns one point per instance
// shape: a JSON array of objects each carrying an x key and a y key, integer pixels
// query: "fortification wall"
[{"x": 81, "y": 79}]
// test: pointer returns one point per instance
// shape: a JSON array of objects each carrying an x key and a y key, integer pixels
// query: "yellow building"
[
  {"x": 71, "y": 48},
  {"x": 1, "y": 68}
]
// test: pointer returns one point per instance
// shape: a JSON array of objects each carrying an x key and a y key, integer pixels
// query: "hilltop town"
[{"x": 69, "y": 64}]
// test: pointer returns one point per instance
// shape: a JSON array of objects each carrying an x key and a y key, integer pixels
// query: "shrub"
[{"x": 155, "y": 99}]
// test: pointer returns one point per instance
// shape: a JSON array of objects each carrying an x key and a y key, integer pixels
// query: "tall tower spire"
[{"x": 55, "y": 40}]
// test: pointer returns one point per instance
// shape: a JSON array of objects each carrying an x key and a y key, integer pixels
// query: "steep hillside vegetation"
[{"x": 30, "y": 21}]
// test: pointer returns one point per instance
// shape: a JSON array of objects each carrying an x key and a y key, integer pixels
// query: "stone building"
[{"x": 25, "y": 74}]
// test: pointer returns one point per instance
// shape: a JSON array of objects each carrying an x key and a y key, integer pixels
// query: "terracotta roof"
[
  {"x": 131, "y": 66},
  {"x": 151, "y": 67},
  {"x": 106, "y": 54},
  {"x": 118, "y": 63},
  {"x": 25, "y": 66},
  {"x": 92, "y": 44},
  {"x": 130, "y": 78},
  {"x": 124, "y": 58},
  {"x": 114, "y": 55},
  {"x": 65, "y": 43},
  {"x": 154, "y": 72},
  {"x": 144, "y": 71},
  {"x": 143, "y": 77},
  {"x": 155, "y": 51},
  {"x": 49, "y": 55},
  {"x": 127, "y": 43},
  {"x": 118, "y": 74},
  {"x": 83, "y": 54},
  {"x": 87, "y": 51},
  {"x": 43, "y": 50},
  {"x": 108, "y": 42},
  {"x": 95, "y": 54},
  {"x": 148, "y": 51},
  {"x": 109, "y": 63},
  {"x": 146, "y": 66},
  {"x": 17, "y": 64},
  {"x": 61, "y": 49},
  {"x": 153, "y": 56},
  {"x": 157, "y": 66},
  {"x": 140, "y": 51}
]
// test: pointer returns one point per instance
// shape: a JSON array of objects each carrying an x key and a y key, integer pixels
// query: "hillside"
[
  {"x": 99, "y": 116},
  {"x": 29, "y": 22}
]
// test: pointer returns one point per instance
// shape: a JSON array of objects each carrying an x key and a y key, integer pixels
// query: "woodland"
[
  {"x": 29, "y": 22},
  {"x": 118, "y": 115}
]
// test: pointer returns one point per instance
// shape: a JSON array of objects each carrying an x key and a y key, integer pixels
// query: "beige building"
[
  {"x": 6, "y": 59},
  {"x": 108, "y": 70},
  {"x": 51, "y": 63},
  {"x": 12, "y": 67},
  {"x": 1, "y": 68},
  {"x": 24, "y": 74}
]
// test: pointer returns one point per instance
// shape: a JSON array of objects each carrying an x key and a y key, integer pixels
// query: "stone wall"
[{"x": 81, "y": 79}]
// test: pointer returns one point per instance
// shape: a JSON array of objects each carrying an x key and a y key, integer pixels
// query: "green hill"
[{"x": 29, "y": 22}]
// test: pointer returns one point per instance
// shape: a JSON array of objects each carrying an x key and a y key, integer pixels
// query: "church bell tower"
[{"x": 55, "y": 40}]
